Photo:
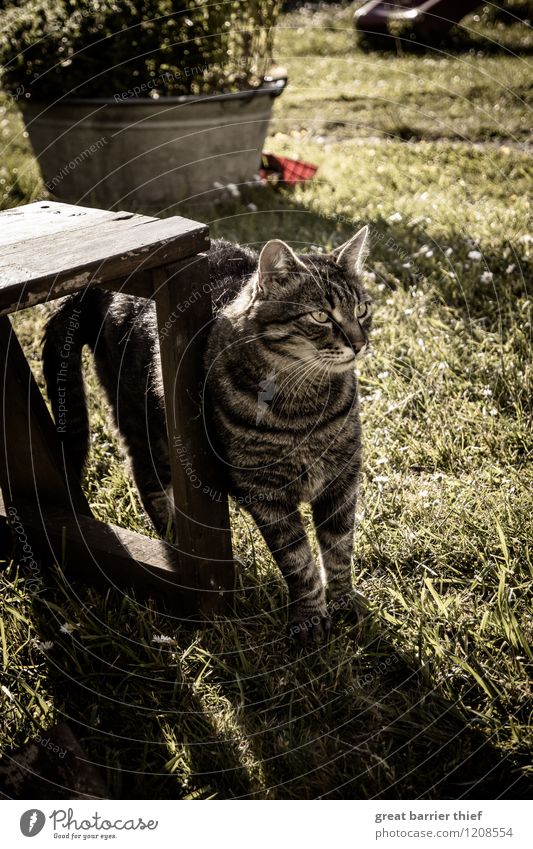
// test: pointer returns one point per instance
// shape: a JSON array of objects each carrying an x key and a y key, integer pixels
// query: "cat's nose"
[{"x": 356, "y": 340}]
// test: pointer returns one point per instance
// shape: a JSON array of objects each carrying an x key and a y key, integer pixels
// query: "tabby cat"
[{"x": 282, "y": 393}]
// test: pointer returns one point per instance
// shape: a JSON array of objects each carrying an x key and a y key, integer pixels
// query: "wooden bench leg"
[
  {"x": 184, "y": 314},
  {"x": 49, "y": 514},
  {"x": 40, "y": 492},
  {"x": 100, "y": 555},
  {"x": 32, "y": 465}
]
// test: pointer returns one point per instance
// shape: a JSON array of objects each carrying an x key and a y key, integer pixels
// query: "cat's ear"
[
  {"x": 276, "y": 260},
  {"x": 352, "y": 254}
]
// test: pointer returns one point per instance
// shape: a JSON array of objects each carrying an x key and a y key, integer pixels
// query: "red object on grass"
[{"x": 290, "y": 171}]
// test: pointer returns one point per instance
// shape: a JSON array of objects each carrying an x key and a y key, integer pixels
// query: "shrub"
[{"x": 97, "y": 48}]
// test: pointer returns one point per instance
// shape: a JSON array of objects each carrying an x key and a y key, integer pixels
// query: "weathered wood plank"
[
  {"x": 52, "y": 265},
  {"x": 141, "y": 284},
  {"x": 44, "y": 218},
  {"x": 32, "y": 465},
  {"x": 101, "y": 555},
  {"x": 184, "y": 314}
]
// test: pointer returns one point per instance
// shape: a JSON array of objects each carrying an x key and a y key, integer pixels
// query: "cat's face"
[{"x": 313, "y": 307}]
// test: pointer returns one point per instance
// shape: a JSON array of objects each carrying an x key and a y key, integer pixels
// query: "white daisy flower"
[
  {"x": 486, "y": 277},
  {"x": 46, "y": 645},
  {"x": 233, "y": 190},
  {"x": 477, "y": 255},
  {"x": 162, "y": 639}
]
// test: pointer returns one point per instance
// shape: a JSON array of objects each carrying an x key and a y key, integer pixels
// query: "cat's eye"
[
  {"x": 321, "y": 317},
  {"x": 362, "y": 309}
]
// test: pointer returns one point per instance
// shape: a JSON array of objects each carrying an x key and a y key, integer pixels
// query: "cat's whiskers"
[
  {"x": 297, "y": 379},
  {"x": 301, "y": 364},
  {"x": 296, "y": 392},
  {"x": 291, "y": 365},
  {"x": 293, "y": 392},
  {"x": 290, "y": 389},
  {"x": 325, "y": 373},
  {"x": 292, "y": 368}
]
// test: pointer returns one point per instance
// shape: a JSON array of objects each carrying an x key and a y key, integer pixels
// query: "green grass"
[
  {"x": 431, "y": 696},
  {"x": 471, "y": 91}
]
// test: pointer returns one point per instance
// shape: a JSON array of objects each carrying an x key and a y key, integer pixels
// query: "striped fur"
[{"x": 281, "y": 396}]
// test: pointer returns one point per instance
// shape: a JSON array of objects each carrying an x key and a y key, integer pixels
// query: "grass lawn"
[{"x": 430, "y": 696}]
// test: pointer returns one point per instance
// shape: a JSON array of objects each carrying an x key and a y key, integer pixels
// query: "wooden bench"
[{"x": 48, "y": 250}]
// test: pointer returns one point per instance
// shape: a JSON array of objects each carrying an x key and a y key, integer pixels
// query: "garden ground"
[{"x": 430, "y": 696}]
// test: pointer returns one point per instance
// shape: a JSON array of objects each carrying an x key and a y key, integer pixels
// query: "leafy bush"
[{"x": 90, "y": 48}]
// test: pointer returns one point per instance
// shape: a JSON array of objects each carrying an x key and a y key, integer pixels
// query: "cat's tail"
[{"x": 75, "y": 324}]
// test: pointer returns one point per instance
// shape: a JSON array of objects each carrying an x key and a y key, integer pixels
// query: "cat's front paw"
[
  {"x": 310, "y": 628},
  {"x": 349, "y": 605}
]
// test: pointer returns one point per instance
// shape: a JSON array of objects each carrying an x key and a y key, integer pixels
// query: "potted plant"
[{"x": 141, "y": 104}]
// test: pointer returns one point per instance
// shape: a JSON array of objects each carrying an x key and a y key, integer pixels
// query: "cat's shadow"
[{"x": 354, "y": 719}]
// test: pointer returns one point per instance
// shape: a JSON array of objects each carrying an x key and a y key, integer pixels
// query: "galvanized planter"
[{"x": 145, "y": 152}]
